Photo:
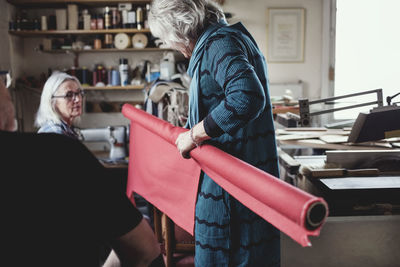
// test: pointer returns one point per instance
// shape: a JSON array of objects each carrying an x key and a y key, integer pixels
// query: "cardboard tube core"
[{"x": 315, "y": 215}]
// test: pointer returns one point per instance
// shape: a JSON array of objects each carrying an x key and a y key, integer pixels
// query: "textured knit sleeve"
[{"x": 228, "y": 62}]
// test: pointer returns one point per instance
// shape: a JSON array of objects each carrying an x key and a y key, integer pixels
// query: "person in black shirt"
[{"x": 59, "y": 205}]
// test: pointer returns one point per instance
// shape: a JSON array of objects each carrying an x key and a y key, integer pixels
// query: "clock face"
[{"x": 122, "y": 41}]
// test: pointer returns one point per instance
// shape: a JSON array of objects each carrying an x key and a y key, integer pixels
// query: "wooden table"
[{"x": 330, "y": 139}]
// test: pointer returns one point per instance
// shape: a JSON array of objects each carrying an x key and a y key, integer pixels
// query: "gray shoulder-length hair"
[
  {"x": 47, "y": 112},
  {"x": 182, "y": 21}
]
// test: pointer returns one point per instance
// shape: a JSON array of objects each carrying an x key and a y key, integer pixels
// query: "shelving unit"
[
  {"x": 60, "y": 33},
  {"x": 130, "y": 87},
  {"x": 52, "y": 3},
  {"x": 35, "y": 4},
  {"x": 109, "y": 95},
  {"x": 106, "y": 50},
  {"x": 74, "y": 32}
]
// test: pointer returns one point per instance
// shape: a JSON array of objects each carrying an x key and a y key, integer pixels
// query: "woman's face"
[
  {"x": 69, "y": 106},
  {"x": 185, "y": 50}
]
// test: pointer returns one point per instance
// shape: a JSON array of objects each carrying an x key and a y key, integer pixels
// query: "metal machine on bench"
[
  {"x": 380, "y": 123},
  {"x": 116, "y": 136}
]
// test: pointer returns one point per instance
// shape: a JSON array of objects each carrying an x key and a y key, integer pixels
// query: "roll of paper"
[
  {"x": 293, "y": 211},
  {"x": 139, "y": 40},
  {"x": 122, "y": 41}
]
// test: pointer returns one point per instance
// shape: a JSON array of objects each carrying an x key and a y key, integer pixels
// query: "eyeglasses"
[{"x": 70, "y": 95}]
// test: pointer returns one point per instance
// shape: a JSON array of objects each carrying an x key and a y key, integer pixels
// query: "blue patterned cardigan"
[{"x": 229, "y": 91}]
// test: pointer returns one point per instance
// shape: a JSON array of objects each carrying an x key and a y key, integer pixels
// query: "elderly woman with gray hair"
[
  {"x": 60, "y": 105},
  {"x": 229, "y": 108}
]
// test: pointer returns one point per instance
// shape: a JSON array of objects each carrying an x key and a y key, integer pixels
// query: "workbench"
[{"x": 363, "y": 228}]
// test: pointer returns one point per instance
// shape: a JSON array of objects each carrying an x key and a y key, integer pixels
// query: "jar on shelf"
[{"x": 97, "y": 42}]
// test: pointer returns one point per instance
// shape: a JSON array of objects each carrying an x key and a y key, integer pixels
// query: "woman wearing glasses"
[{"x": 60, "y": 105}]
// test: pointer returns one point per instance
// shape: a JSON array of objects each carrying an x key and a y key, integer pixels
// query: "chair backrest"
[{"x": 177, "y": 245}]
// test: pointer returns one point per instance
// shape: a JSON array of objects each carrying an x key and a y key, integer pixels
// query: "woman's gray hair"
[
  {"x": 182, "y": 21},
  {"x": 47, "y": 112}
]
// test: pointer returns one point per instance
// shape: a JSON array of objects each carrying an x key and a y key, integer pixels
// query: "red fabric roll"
[{"x": 159, "y": 174}]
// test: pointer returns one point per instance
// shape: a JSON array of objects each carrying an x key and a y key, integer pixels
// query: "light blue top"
[{"x": 59, "y": 128}]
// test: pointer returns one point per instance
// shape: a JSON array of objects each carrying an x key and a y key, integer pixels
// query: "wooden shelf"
[
  {"x": 52, "y": 3},
  {"x": 130, "y": 87},
  {"x": 106, "y": 50},
  {"x": 74, "y": 32}
]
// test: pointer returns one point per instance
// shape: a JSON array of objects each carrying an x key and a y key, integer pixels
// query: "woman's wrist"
[
  {"x": 197, "y": 143},
  {"x": 198, "y": 134}
]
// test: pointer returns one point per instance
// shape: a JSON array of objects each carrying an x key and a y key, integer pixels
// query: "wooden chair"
[{"x": 177, "y": 244}]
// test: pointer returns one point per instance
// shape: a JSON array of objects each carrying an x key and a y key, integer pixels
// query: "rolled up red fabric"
[{"x": 159, "y": 173}]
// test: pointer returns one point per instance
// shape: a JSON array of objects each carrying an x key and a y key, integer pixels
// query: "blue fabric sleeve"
[
  {"x": 212, "y": 129},
  {"x": 244, "y": 94}
]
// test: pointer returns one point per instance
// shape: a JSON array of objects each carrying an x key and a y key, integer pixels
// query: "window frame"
[{"x": 328, "y": 56}]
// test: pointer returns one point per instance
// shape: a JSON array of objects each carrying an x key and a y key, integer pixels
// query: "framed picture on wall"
[{"x": 285, "y": 35}]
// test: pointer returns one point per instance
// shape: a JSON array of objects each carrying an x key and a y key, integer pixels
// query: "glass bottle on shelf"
[
  {"x": 24, "y": 23},
  {"x": 93, "y": 22},
  {"x": 132, "y": 18},
  {"x": 124, "y": 71},
  {"x": 146, "y": 17},
  {"x": 139, "y": 18},
  {"x": 108, "y": 40},
  {"x": 107, "y": 18},
  {"x": 80, "y": 21},
  {"x": 100, "y": 22},
  {"x": 115, "y": 18},
  {"x": 18, "y": 23},
  {"x": 124, "y": 19},
  {"x": 86, "y": 20},
  {"x": 36, "y": 24}
]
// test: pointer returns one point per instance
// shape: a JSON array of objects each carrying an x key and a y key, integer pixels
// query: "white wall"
[{"x": 252, "y": 13}]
